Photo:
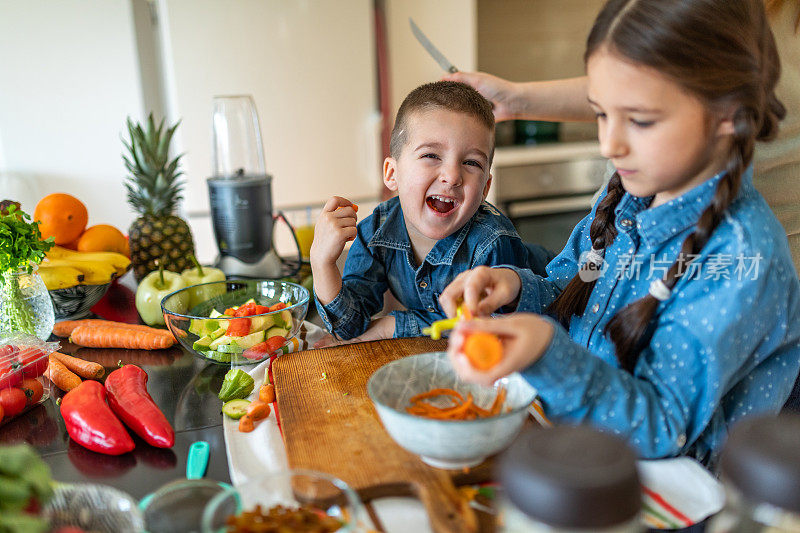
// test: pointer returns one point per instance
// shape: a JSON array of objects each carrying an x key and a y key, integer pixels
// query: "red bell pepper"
[
  {"x": 129, "y": 399},
  {"x": 90, "y": 421}
]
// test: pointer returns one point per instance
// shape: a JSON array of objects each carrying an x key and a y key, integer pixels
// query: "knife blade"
[{"x": 431, "y": 49}]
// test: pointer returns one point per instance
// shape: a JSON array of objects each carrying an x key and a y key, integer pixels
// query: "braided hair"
[{"x": 723, "y": 52}]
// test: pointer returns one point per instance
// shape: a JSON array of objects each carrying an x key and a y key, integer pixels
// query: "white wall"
[
  {"x": 68, "y": 79},
  {"x": 451, "y": 25},
  {"x": 310, "y": 66}
]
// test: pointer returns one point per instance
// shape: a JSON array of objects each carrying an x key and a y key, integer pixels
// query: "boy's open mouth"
[{"x": 440, "y": 204}]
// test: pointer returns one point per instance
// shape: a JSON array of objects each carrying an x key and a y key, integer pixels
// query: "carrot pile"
[
  {"x": 66, "y": 371},
  {"x": 459, "y": 408},
  {"x": 94, "y": 333}
]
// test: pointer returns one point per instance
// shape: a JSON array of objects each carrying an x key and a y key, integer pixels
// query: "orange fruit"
[
  {"x": 62, "y": 216},
  {"x": 103, "y": 238}
]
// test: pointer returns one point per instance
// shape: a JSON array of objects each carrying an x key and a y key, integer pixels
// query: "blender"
[{"x": 240, "y": 194}]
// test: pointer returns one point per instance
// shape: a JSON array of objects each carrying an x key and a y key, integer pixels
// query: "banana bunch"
[{"x": 64, "y": 268}]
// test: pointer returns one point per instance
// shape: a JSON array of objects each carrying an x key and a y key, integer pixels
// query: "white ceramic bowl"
[{"x": 453, "y": 444}]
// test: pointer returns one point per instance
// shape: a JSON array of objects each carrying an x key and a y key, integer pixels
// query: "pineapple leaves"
[{"x": 152, "y": 186}]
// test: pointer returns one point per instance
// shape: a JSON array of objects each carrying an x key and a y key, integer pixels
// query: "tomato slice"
[
  {"x": 261, "y": 349},
  {"x": 278, "y": 306},
  {"x": 261, "y": 309},
  {"x": 238, "y": 327},
  {"x": 230, "y": 311},
  {"x": 246, "y": 310}
]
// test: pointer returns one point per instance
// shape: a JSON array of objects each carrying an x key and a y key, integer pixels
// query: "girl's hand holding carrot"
[
  {"x": 524, "y": 339},
  {"x": 482, "y": 289}
]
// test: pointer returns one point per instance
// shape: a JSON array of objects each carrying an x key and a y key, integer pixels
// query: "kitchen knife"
[{"x": 431, "y": 49}]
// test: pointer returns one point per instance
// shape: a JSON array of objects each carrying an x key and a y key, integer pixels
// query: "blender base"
[{"x": 270, "y": 266}]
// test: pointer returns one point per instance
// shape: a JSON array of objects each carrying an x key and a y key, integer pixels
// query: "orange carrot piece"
[
  {"x": 117, "y": 337},
  {"x": 85, "y": 369},
  {"x": 499, "y": 400},
  {"x": 258, "y": 410},
  {"x": 66, "y": 327},
  {"x": 61, "y": 376},
  {"x": 246, "y": 424},
  {"x": 436, "y": 392},
  {"x": 484, "y": 350},
  {"x": 267, "y": 393}
]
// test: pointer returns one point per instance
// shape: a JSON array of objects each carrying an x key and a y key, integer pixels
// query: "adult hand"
[
  {"x": 482, "y": 289},
  {"x": 335, "y": 226},
  {"x": 503, "y": 94},
  {"x": 525, "y": 337}
]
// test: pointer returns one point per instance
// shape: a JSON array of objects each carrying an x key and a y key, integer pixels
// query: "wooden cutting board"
[{"x": 330, "y": 425}]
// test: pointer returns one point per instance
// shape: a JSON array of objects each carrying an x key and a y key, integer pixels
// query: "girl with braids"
[{"x": 674, "y": 309}]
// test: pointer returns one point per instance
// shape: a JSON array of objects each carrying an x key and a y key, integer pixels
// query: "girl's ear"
[
  {"x": 725, "y": 124},
  {"x": 390, "y": 173}
]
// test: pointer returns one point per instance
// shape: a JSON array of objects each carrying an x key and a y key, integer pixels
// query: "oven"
[{"x": 548, "y": 192}]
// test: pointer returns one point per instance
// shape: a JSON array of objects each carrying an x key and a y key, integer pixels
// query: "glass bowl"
[
  {"x": 451, "y": 444},
  {"x": 93, "y": 508},
  {"x": 322, "y": 493},
  {"x": 202, "y": 328}
]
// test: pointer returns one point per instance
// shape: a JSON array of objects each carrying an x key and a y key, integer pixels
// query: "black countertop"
[{"x": 182, "y": 385}]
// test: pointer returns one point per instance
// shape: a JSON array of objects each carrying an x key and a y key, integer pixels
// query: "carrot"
[
  {"x": 258, "y": 410},
  {"x": 85, "y": 369},
  {"x": 484, "y": 350},
  {"x": 267, "y": 393},
  {"x": 61, "y": 376},
  {"x": 117, "y": 337},
  {"x": 462, "y": 409},
  {"x": 246, "y": 424},
  {"x": 66, "y": 327}
]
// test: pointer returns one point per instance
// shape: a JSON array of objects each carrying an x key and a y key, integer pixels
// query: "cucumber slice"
[
  {"x": 275, "y": 331},
  {"x": 220, "y": 357},
  {"x": 233, "y": 347},
  {"x": 235, "y": 409},
  {"x": 261, "y": 323},
  {"x": 202, "y": 343},
  {"x": 217, "y": 334},
  {"x": 214, "y": 314}
]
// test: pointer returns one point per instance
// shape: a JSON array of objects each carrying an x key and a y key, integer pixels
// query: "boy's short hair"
[{"x": 449, "y": 95}]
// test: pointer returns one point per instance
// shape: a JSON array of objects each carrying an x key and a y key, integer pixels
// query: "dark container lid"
[
  {"x": 572, "y": 477},
  {"x": 762, "y": 460}
]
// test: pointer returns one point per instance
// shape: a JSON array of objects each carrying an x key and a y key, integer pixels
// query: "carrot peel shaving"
[{"x": 461, "y": 408}]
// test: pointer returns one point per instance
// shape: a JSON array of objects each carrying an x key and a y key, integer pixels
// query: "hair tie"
[
  {"x": 595, "y": 256},
  {"x": 659, "y": 290}
]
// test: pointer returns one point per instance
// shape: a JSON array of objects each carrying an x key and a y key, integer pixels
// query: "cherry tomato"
[
  {"x": 10, "y": 373},
  {"x": 7, "y": 350},
  {"x": 34, "y": 363},
  {"x": 33, "y": 390},
  {"x": 13, "y": 401}
]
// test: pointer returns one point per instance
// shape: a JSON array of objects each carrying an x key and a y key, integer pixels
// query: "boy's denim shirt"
[
  {"x": 381, "y": 257},
  {"x": 724, "y": 345}
]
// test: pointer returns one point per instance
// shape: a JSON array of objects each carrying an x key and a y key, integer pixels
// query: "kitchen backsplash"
[{"x": 526, "y": 40}]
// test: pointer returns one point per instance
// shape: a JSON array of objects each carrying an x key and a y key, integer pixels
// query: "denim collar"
[
  {"x": 661, "y": 223},
  {"x": 392, "y": 233}
]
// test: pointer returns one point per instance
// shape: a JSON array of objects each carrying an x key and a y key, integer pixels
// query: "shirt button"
[
  {"x": 681, "y": 440},
  {"x": 422, "y": 284},
  {"x": 431, "y": 309},
  {"x": 626, "y": 223},
  {"x": 595, "y": 308}
]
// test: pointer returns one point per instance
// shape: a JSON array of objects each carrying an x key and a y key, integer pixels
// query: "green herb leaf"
[{"x": 21, "y": 243}]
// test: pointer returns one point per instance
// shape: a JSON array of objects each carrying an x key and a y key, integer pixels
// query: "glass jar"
[
  {"x": 569, "y": 480},
  {"x": 25, "y": 304},
  {"x": 760, "y": 469}
]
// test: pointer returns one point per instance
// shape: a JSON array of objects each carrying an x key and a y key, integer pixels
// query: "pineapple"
[{"x": 157, "y": 236}]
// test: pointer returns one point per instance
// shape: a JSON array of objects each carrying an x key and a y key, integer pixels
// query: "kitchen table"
[{"x": 183, "y": 386}]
